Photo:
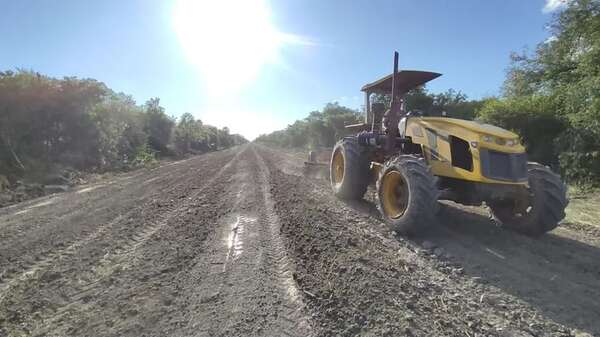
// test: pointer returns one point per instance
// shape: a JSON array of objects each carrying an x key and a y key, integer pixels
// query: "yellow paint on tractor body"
[{"x": 434, "y": 135}]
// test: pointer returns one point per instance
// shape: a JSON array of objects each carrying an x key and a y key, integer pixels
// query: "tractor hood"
[{"x": 471, "y": 125}]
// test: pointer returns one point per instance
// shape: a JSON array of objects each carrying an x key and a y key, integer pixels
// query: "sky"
[{"x": 258, "y": 65}]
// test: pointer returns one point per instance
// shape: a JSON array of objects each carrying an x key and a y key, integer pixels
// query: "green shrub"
[
  {"x": 579, "y": 150},
  {"x": 144, "y": 156}
]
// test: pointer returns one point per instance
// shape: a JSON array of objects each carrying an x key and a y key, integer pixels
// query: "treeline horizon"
[
  {"x": 49, "y": 124},
  {"x": 550, "y": 97}
]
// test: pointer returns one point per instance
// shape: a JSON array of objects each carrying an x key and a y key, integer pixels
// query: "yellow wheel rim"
[
  {"x": 394, "y": 194},
  {"x": 337, "y": 167}
]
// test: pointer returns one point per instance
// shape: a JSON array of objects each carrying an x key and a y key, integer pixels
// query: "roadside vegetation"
[
  {"x": 51, "y": 129},
  {"x": 550, "y": 97},
  {"x": 320, "y": 128}
]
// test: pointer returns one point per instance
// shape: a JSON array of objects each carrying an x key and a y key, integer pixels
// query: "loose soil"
[{"x": 240, "y": 243}]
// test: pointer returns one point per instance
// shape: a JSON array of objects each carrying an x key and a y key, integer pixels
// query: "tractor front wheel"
[
  {"x": 349, "y": 170},
  {"x": 406, "y": 194},
  {"x": 542, "y": 207}
]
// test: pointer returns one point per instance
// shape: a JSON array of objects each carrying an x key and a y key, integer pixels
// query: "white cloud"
[{"x": 553, "y": 5}]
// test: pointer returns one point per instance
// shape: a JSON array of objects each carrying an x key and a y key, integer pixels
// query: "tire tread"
[
  {"x": 423, "y": 194},
  {"x": 551, "y": 202}
]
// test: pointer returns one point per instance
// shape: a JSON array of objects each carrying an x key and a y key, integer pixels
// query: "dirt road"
[{"x": 239, "y": 243}]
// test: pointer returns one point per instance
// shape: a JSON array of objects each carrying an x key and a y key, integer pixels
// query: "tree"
[
  {"x": 336, "y": 117},
  {"x": 120, "y": 132},
  {"x": 157, "y": 125},
  {"x": 49, "y": 124},
  {"x": 47, "y": 120},
  {"x": 565, "y": 71},
  {"x": 454, "y": 103},
  {"x": 186, "y": 132},
  {"x": 320, "y": 128}
]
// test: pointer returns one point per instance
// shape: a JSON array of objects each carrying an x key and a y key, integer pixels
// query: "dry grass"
[{"x": 584, "y": 207}]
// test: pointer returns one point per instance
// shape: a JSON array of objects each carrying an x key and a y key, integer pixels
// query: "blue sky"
[{"x": 256, "y": 70}]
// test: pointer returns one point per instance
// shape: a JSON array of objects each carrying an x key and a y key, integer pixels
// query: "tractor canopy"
[{"x": 406, "y": 80}]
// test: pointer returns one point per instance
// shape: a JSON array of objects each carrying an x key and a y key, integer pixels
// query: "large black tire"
[
  {"x": 420, "y": 204},
  {"x": 351, "y": 182},
  {"x": 545, "y": 207}
]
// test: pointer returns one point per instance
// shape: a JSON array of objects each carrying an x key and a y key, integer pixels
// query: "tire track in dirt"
[
  {"x": 127, "y": 250},
  {"x": 138, "y": 238},
  {"x": 22, "y": 249},
  {"x": 294, "y": 318},
  {"x": 242, "y": 285},
  {"x": 72, "y": 201},
  {"x": 229, "y": 284},
  {"x": 8, "y": 282},
  {"x": 44, "y": 259},
  {"x": 127, "y": 177},
  {"x": 126, "y": 255}
]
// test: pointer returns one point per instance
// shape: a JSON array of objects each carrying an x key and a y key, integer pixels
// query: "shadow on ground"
[{"x": 557, "y": 275}]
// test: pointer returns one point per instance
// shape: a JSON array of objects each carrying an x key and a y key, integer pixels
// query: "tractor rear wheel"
[
  {"x": 406, "y": 194},
  {"x": 349, "y": 170},
  {"x": 540, "y": 210}
]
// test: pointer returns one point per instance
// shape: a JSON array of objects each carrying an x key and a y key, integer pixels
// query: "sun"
[{"x": 228, "y": 41}]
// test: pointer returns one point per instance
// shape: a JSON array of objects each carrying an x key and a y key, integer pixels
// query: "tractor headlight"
[{"x": 499, "y": 141}]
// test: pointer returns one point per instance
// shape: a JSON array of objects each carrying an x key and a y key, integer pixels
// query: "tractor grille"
[{"x": 503, "y": 166}]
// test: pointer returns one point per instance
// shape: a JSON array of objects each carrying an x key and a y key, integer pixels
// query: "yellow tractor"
[{"x": 416, "y": 161}]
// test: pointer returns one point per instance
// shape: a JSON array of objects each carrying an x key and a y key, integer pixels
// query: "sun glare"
[{"x": 227, "y": 40}]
